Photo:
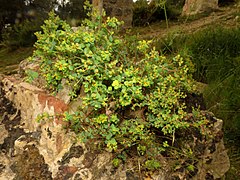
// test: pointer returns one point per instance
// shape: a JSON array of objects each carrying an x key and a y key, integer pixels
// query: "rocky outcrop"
[
  {"x": 48, "y": 150},
  {"x": 193, "y": 7}
]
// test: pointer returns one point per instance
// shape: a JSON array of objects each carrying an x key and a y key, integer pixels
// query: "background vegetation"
[
  {"x": 20, "y": 19},
  {"x": 145, "y": 13}
]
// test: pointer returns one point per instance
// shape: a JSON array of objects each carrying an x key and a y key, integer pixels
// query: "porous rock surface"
[
  {"x": 193, "y": 7},
  {"x": 46, "y": 150}
]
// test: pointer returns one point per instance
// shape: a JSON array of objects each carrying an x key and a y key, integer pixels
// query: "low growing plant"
[{"x": 132, "y": 95}]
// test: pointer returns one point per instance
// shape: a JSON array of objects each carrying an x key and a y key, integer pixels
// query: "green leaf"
[{"x": 71, "y": 67}]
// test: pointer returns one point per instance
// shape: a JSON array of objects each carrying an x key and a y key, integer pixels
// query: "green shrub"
[{"x": 133, "y": 96}]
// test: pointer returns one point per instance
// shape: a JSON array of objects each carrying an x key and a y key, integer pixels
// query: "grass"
[
  {"x": 215, "y": 51},
  {"x": 9, "y": 59},
  {"x": 234, "y": 156}
]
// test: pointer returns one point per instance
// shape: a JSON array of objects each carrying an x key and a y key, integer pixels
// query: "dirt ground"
[{"x": 227, "y": 16}]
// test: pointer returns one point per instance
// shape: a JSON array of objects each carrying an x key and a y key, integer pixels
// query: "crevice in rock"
[
  {"x": 30, "y": 164},
  {"x": 75, "y": 151}
]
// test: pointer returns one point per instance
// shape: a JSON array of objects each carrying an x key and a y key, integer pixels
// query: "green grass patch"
[
  {"x": 9, "y": 59},
  {"x": 215, "y": 52}
]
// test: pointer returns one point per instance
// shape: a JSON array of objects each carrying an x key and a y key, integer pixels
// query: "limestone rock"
[
  {"x": 3, "y": 133},
  {"x": 25, "y": 65},
  {"x": 46, "y": 150},
  {"x": 216, "y": 162},
  {"x": 5, "y": 170},
  {"x": 193, "y": 7},
  {"x": 63, "y": 93}
]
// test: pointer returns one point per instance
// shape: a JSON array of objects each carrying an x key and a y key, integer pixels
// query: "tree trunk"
[{"x": 98, "y": 5}]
